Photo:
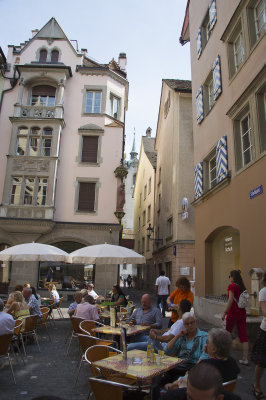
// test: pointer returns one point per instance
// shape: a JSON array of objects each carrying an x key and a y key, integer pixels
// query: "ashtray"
[{"x": 137, "y": 361}]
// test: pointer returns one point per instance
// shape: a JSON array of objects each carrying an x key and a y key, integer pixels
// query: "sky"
[{"x": 147, "y": 31}]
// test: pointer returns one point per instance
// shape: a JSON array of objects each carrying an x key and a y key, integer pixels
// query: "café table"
[
  {"x": 130, "y": 330},
  {"x": 137, "y": 365}
]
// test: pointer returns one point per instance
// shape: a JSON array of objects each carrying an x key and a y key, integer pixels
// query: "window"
[
  {"x": 261, "y": 101},
  {"x": 149, "y": 213},
  {"x": 29, "y": 191},
  {"x": 149, "y": 187},
  {"x": 145, "y": 192},
  {"x": 206, "y": 28},
  {"x": 208, "y": 95},
  {"x": 243, "y": 139},
  {"x": 140, "y": 198},
  {"x": 143, "y": 244},
  {"x": 34, "y": 141},
  {"x": 86, "y": 200},
  {"x": 170, "y": 227},
  {"x": 114, "y": 106},
  {"x": 138, "y": 223},
  {"x": 159, "y": 202},
  {"x": 93, "y": 102},
  {"x": 236, "y": 50},
  {"x": 144, "y": 218},
  {"x": 54, "y": 56},
  {"x": 210, "y": 173},
  {"x": 260, "y": 18},
  {"x": 43, "y": 95},
  {"x": 43, "y": 56},
  {"x": 89, "y": 149},
  {"x": 160, "y": 175}
]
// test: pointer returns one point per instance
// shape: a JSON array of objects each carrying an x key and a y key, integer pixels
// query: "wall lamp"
[{"x": 150, "y": 230}]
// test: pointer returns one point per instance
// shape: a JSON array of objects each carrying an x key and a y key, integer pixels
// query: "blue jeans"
[
  {"x": 161, "y": 299},
  {"x": 138, "y": 342}
]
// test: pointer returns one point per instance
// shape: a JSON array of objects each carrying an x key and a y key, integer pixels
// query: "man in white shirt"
[
  {"x": 7, "y": 322},
  {"x": 162, "y": 289},
  {"x": 91, "y": 291}
]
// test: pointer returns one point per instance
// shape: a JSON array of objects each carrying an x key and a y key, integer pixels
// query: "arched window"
[
  {"x": 54, "y": 56},
  {"x": 43, "y": 56},
  {"x": 43, "y": 95}
]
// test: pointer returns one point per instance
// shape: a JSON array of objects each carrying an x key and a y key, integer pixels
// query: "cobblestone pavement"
[{"x": 53, "y": 372}]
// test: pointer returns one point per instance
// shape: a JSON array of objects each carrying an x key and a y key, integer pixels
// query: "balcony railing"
[{"x": 38, "y": 111}]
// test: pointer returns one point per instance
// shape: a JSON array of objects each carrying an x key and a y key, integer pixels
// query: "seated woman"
[
  {"x": 54, "y": 295},
  {"x": 18, "y": 288},
  {"x": 36, "y": 295},
  {"x": 218, "y": 348},
  {"x": 19, "y": 308},
  {"x": 118, "y": 297}
]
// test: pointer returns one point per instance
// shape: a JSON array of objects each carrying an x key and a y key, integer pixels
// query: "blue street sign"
[{"x": 255, "y": 192}]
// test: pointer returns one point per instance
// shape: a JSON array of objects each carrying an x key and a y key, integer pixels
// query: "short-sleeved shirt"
[
  {"x": 262, "y": 297},
  {"x": 86, "y": 311},
  {"x": 7, "y": 323},
  {"x": 163, "y": 283},
  {"x": 93, "y": 294},
  {"x": 72, "y": 306},
  {"x": 34, "y": 306},
  {"x": 234, "y": 309},
  {"x": 178, "y": 295},
  {"x": 150, "y": 317},
  {"x": 175, "y": 328}
]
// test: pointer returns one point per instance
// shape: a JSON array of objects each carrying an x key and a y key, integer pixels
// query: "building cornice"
[{"x": 39, "y": 66}]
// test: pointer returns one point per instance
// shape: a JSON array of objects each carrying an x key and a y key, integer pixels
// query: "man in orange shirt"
[{"x": 182, "y": 292}]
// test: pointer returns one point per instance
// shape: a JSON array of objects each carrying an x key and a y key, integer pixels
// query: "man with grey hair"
[
  {"x": 7, "y": 322},
  {"x": 32, "y": 302}
]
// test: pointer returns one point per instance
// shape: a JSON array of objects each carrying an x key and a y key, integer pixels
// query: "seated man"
[
  {"x": 146, "y": 316},
  {"x": 204, "y": 382},
  {"x": 91, "y": 291},
  {"x": 87, "y": 310},
  {"x": 73, "y": 306},
  {"x": 7, "y": 322},
  {"x": 32, "y": 302}
]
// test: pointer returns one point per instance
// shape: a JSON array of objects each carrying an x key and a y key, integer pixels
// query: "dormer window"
[
  {"x": 43, "y": 95},
  {"x": 54, "y": 56},
  {"x": 43, "y": 56}
]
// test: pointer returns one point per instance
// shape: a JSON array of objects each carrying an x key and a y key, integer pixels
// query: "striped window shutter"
[
  {"x": 199, "y": 105},
  {"x": 198, "y": 180},
  {"x": 217, "y": 78},
  {"x": 212, "y": 14},
  {"x": 221, "y": 159},
  {"x": 199, "y": 43}
]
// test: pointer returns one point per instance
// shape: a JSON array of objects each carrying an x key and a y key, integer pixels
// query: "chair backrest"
[
  {"x": 230, "y": 385},
  {"x": 87, "y": 326},
  {"x": 44, "y": 309},
  {"x": 103, "y": 389},
  {"x": 75, "y": 321},
  {"x": 45, "y": 314},
  {"x": 30, "y": 323},
  {"x": 86, "y": 341},
  {"x": 96, "y": 353},
  {"x": 5, "y": 341},
  {"x": 18, "y": 326}
]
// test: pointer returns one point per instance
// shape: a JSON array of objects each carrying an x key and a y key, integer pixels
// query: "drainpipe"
[{"x": 13, "y": 82}]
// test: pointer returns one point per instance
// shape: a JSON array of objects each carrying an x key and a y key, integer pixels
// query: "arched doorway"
[{"x": 222, "y": 251}]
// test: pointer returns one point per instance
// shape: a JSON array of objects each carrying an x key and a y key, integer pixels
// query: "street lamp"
[{"x": 150, "y": 230}]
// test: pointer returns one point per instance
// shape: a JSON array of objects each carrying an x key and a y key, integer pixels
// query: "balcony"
[{"x": 38, "y": 112}]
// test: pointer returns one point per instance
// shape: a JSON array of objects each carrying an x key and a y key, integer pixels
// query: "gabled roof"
[
  {"x": 148, "y": 147},
  {"x": 50, "y": 31},
  {"x": 179, "y": 85},
  {"x": 184, "y": 38}
]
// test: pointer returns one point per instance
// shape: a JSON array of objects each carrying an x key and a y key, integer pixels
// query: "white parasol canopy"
[
  {"x": 105, "y": 254},
  {"x": 33, "y": 252}
]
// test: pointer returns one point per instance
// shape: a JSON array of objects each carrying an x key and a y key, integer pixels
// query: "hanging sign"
[{"x": 255, "y": 192}]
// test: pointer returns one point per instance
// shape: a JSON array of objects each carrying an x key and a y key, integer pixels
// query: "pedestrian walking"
[
  {"x": 236, "y": 315},
  {"x": 162, "y": 289},
  {"x": 129, "y": 281}
]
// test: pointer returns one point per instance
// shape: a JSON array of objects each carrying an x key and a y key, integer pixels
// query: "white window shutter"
[
  {"x": 212, "y": 14},
  {"x": 199, "y": 105},
  {"x": 221, "y": 159},
  {"x": 217, "y": 78},
  {"x": 198, "y": 180},
  {"x": 199, "y": 43}
]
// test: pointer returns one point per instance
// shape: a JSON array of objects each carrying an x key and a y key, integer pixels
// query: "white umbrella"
[
  {"x": 105, "y": 254},
  {"x": 33, "y": 252}
]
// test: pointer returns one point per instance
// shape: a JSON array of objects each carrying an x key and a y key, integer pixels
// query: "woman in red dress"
[{"x": 235, "y": 315}]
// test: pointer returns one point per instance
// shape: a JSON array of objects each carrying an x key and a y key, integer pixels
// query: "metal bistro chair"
[
  {"x": 87, "y": 326},
  {"x": 5, "y": 342},
  {"x": 99, "y": 352},
  {"x": 17, "y": 336},
  {"x": 45, "y": 313},
  {"x": 75, "y": 321},
  {"x": 30, "y": 329},
  {"x": 58, "y": 308},
  {"x": 230, "y": 385},
  {"x": 87, "y": 341},
  {"x": 103, "y": 389}
]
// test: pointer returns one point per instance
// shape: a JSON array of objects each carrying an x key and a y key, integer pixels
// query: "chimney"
[
  {"x": 148, "y": 132},
  {"x": 84, "y": 51},
  {"x": 122, "y": 61},
  {"x": 34, "y": 31}
]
